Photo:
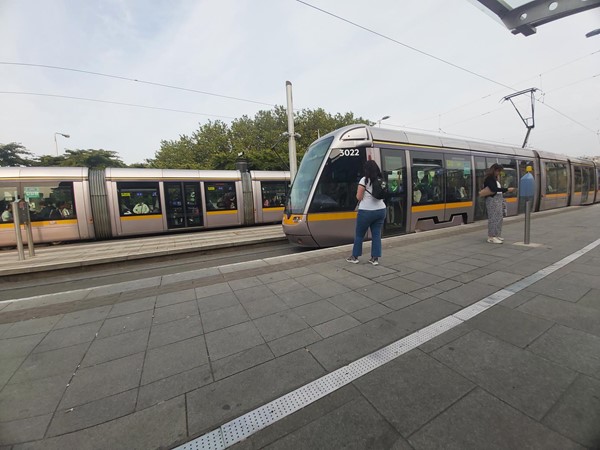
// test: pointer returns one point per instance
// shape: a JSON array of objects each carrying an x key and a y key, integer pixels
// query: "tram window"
[
  {"x": 138, "y": 198},
  {"x": 273, "y": 193},
  {"x": 588, "y": 179},
  {"x": 509, "y": 175},
  {"x": 427, "y": 178},
  {"x": 220, "y": 196},
  {"x": 458, "y": 178},
  {"x": 578, "y": 179},
  {"x": 556, "y": 178},
  {"x": 7, "y": 196},
  {"x": 305, "y": 178},
  {"x": 551, "y": 182},
  {"x": 50, "y": 201},
  {"x": 336, "y": 190},
  {"x": 523, "y": 167}
]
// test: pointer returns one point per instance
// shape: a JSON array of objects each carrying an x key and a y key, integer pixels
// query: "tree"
[
  {"x": 93, "y": 159},
  {"x": 259, "y": 140},
  {"x": 15, "y": 155}
]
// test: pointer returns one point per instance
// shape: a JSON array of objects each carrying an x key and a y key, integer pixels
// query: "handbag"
[{"x": 485, "y": 192}]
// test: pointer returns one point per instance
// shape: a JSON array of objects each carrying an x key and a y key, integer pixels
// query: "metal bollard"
[
  {"x": 21, "y": 217},
  {"x": 527, "y": 222},
  {"x": 17, "y": 224}
]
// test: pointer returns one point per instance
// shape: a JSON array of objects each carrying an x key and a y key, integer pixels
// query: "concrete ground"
[{"x": 158, "y": 362}]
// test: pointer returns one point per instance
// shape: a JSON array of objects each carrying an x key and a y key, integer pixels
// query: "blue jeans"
[{"x": 364, "y": 220}]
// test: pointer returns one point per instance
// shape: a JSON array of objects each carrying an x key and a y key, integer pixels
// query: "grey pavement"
[
  {"x": 157, "y": 363},
  {"x": 70, "y": 256}
]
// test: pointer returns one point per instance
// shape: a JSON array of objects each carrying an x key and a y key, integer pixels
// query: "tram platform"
[
  {"x": 450, "y": 343},
  {"x": 72, "y": 255}
]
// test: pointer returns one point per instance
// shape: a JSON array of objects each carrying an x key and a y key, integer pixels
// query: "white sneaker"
[
  {"x": 500, "y": 238},
  {"x": 494, "y": 240},
  {"x": 352, "y": 259}
]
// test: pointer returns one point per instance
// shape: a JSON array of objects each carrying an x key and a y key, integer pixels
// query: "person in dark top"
[
  {"x": 494, "y": 203},
  {"x": 45, "y": 211}
]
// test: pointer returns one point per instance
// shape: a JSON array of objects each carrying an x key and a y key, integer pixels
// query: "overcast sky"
[{"x": 247, "y": 49}]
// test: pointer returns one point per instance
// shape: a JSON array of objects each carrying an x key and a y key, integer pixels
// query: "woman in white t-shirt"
[{"x": 371, "y": 214}]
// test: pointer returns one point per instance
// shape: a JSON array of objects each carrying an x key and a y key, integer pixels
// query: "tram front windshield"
[{"x": 305, "y": 178}]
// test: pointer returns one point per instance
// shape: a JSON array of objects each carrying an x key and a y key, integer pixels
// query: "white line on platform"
[{"x": 246, "y": 425}]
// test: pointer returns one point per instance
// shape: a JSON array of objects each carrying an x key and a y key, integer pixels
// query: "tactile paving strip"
[{"x": 244, "y": 426}]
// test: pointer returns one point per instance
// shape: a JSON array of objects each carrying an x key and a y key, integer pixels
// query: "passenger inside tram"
[
  {"x": 141, "y": 208},
  {"x": 7, "y": 213}
]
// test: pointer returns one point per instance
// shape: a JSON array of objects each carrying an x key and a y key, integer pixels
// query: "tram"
[
  {"x": 74, "y": 203},
  {"x": 433, "y": 180}
]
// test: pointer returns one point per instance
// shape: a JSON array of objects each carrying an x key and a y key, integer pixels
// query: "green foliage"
[
  {"x": 15, "y": 155},
  {"x": 94, "y": 159},
  {"x": 259, "y": 140},
  {"x": 215, "y": 145}
]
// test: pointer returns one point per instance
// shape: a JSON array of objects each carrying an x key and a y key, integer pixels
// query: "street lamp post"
[
  {"x": 383, "y": 118},
  {"x": 56, "y": 143}
]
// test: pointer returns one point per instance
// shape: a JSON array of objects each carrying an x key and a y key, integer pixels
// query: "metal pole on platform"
[
  {"x": 292, "y": 135},
  {"x": 17, "y": 224},
  {"x": 527, "y": 222},
  {"x": 25, "y": 210}
]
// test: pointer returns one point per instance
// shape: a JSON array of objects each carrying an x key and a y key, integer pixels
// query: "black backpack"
[{"x": 379, "y": 189}]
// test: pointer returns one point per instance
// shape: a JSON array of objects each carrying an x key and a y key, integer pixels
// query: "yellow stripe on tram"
[
  {"x": 43, "y": 223},
  {"x": 421, "y": 208},
  {"x": 141, "y": 217},
  {"x": 556, "y": 195},
  {"x": 317, "y": 217},
  {"x": 459, "y": 205},
  {"x": 221, "y": 212}
]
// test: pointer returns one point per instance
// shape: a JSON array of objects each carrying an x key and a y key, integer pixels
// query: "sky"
[{"x": 430, "y": 65}]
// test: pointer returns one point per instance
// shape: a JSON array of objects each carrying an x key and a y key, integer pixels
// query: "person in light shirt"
[
  {"x": 141, "y": 208},
  {"x": 371, "y": 215},
  {"x": 7, "y": 214}
]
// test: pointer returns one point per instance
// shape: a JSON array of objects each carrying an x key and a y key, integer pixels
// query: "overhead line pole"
[{"x": 292, "y": 135}]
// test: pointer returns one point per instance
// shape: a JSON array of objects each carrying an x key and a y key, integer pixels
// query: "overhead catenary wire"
[
  {"x": 410, "y": 47},
  {"x": 115, "y": 103},
  {"x": 456, "y": 66},
  {"x": 552, "y": 69},
  {"x": 436, "y": 57},
  {"x": 152, "y": 83}
]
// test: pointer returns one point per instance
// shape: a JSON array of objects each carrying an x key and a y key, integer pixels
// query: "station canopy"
[{"x": 523, "y": 17}]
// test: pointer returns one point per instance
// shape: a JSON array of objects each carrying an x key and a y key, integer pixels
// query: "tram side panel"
[
  {"x": 135, "y": 207},
  {"x": 222, "y": 203},
  {"x": 582, "y": 184},
  {"x": 597, "y": 184},
  {"x": 59, "y": 210},
  {"x": 269, "y": 198},
  {"x": 554, "y": 184}
]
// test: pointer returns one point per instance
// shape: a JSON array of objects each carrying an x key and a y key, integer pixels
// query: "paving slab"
[
  {"x": 567, "y": 417},
  {"x": 523, "y": 380},
  {"x": 156, "y": 427},
  {"x": 223, "y": 400},
  {"x": 418, "y": 388},
  {"x": 355, "y": 425},
  {"x": 93, "y": 413},
  {"x": 103, "y": 380},
  {"x": 171, "y": 359},
  {"x": 166, "y": 359},
  {"x": 482, "y": 421}
]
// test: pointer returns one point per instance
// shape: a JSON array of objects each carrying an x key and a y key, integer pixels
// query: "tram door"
[
  {"x": 183, "y": 205},
  {"x": 480, "y": 169},
  {"x": 393, "y": 167}
]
